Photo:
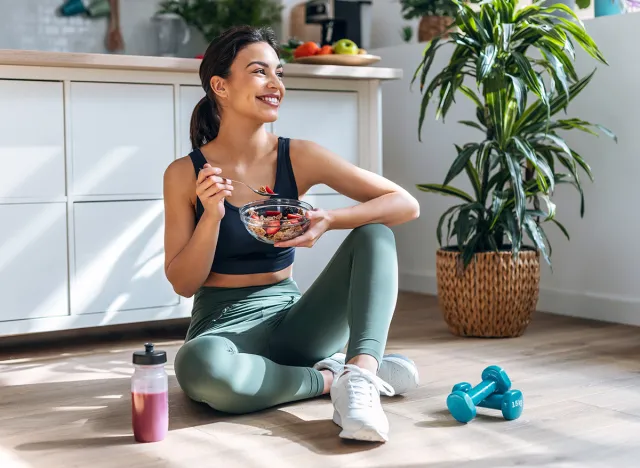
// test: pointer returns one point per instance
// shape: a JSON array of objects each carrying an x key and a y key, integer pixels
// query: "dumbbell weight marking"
[
  {"x": 462, "y": 405},
  {"x": 510, "y": 403}
]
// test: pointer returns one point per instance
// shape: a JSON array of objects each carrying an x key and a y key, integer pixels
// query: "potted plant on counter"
[
  {"x": 488, "y": 278},
  {"x": 436, "y": 16},
  {"x": 211, "y": 17}
]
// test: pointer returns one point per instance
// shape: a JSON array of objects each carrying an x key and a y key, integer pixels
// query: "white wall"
[
  {"x": 34, "y": 25},
  {"x": 596, "y": 272}
]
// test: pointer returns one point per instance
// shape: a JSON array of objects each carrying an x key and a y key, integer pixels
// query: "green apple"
[{"x": 346, "y": 47}]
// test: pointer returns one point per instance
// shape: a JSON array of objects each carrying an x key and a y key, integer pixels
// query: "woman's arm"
[
  {"x": 381, "y": 201},
  {"x": 189, "y": 248}
]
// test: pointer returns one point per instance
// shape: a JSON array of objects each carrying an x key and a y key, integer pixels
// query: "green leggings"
[{"x": 251, "y": 348}]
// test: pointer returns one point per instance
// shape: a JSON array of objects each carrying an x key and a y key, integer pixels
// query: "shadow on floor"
[{"x": 104, "y": 406}]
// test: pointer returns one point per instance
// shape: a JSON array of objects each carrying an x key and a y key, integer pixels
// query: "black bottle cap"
[{"x": 149, "y": 357}]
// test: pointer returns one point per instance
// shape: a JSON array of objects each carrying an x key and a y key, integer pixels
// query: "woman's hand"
[
  {"x": 212, "y": 190},
  {"x": 320, "y": 222}
]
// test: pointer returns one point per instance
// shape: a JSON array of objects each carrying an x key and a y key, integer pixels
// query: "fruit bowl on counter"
[{"x": 341, "y": 52}]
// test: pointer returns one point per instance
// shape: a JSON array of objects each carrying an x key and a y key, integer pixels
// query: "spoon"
[{"x": 259, "y": 192}]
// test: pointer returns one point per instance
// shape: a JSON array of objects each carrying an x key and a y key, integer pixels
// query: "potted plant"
[
  {"x": 436, "y": 16},
  {"x": 211, "y": 17},
  {"x": 488, "y": 279}
]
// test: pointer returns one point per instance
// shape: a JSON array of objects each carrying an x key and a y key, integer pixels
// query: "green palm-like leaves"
[{"x": 514, "y": 170}]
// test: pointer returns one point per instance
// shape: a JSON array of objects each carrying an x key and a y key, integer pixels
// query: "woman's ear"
[{"x": 218, "y": 86}]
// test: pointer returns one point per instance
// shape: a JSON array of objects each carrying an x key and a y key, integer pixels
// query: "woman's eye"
[{"x": 260, "y": 70}]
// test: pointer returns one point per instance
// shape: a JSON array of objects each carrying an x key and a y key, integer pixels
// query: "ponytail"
[
  {"x": 217, "y": 60},
  {"x": 205, "y": 122}
]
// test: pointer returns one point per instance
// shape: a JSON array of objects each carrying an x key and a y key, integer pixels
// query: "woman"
[{"x": 254, "y": 341}]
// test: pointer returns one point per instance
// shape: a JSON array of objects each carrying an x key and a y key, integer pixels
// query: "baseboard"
[{"x": 583, "y": 304}]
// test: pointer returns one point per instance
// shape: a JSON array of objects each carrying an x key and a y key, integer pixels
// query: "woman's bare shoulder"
[{"x": 180, "y": 177}]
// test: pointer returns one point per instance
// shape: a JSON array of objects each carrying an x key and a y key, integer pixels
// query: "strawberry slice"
[
  {"x": 294, "y": 216},
  {"x": 272, "y": 227},
  {"x": 272, "y": 213},
  {"x": 268, "y": 189}
]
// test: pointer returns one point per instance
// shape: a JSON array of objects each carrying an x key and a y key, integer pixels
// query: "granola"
[{"x": 276, "y": 226}]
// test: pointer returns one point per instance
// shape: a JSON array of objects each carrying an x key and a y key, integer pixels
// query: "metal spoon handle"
[{"x": 259, "y": 192}]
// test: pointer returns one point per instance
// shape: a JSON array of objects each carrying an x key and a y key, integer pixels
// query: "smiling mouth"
[{"x": 270, "y": 100}]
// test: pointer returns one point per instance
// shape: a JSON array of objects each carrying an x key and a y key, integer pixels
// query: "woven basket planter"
[
  {"x": 432, "y": 26},
  {"x": 493, "y": 298}
]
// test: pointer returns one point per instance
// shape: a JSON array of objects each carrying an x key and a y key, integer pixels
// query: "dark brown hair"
[{"x": 205, "y": 119}]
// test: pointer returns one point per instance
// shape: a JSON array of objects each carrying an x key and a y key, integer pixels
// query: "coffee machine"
[{"x": 341, "y": 19}]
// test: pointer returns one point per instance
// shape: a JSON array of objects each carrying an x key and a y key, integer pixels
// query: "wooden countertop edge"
[{"x": 35, "y": 58}]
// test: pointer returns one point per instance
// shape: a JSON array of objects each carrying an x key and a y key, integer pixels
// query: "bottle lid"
[{"x": 149, "y": 357}]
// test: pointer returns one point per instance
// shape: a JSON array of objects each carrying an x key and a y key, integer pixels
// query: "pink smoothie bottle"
[{"x": 149, "y": 395}]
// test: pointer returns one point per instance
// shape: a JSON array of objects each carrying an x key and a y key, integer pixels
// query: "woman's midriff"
[{"x": 241, "y": 281}]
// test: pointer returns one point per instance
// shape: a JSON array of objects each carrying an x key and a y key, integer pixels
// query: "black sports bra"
[{"x": 237, "y": 252}]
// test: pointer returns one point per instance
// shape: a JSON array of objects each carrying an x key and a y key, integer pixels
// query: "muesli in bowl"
[{"x": 276, "y": 219}]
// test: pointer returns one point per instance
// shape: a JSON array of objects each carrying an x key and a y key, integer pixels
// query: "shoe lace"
[{"x": 361, "y": 385}]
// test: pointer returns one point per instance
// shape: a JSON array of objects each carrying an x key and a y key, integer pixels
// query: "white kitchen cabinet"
[
  {"x": 329, "y": 118},
  {"x": 122, "y": 137},
  {"x": 33, "y": 261},
  {"x": 310, "y": 262},
  {"x": 189, "y": 97},
  {"x": 31, "y": 139},
  {"x": 119, "y": 257},
  {"x": 85, "y": 140}
]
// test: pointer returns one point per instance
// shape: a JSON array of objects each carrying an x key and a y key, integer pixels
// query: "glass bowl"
[{"x": 276, "y": 219}]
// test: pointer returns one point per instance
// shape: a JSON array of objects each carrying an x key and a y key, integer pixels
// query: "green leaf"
[
  {"x": 540, "y": 166},
  {"x": 516, "y": 184},
  {"x": 445, "y": 190},
  {"x": 520, "y": 93},
  {"x": 582, "y": 163},
  {"x": 569, "y": 163},
  {"x": 582, "y": 38},
  {"x": 537, "y": 113},
  {"x": 608, "y": 132},
  {"x": 460, "y": 162},
  {"x": 556, "y": 139},
  {"x": 471, "y": 95},
  {"x": 559, "y": 74},
  {"x": 427, "y": 59},
  {"x": 472, "y": 173},
  {"x": 464, "y": 224},
  {"x": 470, "y": 123},
  {"x": 486, "y": 61},
  {"x": 470, "y": 250},
  {"x": 449, "y": 211},
  {"x": 532, "y": 79},
  {"x": 562, "y": 228},
  {"x": 513, "y": 232},
  {"x": 499, "y": 202},
  {"x": 533, "y": 230},
  {"x": 505, "y": 35},
  {"x": 551, "y": 207}
]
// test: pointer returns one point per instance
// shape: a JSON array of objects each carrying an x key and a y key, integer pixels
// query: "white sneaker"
[
  {"x": 355, "y": 394},
  {"x": 396, "y": 369}
]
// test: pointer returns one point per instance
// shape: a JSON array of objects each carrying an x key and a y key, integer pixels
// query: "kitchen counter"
[{"x": 173, "y": 64}]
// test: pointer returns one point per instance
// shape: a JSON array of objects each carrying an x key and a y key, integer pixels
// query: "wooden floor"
[{"x": 69, "y": 406}]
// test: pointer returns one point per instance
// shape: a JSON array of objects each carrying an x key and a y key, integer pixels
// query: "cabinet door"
[
  {"x": 31, "y": 139},
  {"x": 122, "y": 137},
  {"x": 119, "y": 257},
  {"x": 33, "y": 261},
  {"x": 310, "y": 262},
  {"x": 189, "y": 97},
  {"x": 329, "y": 118}
]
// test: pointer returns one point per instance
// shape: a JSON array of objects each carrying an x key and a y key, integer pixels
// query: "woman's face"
[{"x": 254, "y": 88}]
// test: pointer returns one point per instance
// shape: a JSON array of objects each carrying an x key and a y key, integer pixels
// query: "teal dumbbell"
[
  {"x": 511, "y": 402},
  {"x": 462, "y": 405}
]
